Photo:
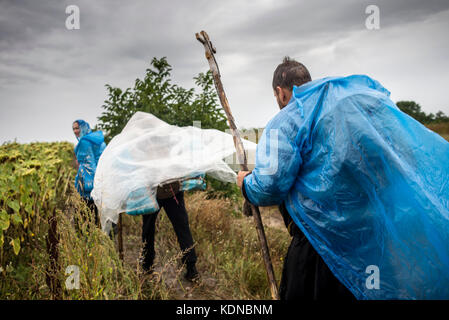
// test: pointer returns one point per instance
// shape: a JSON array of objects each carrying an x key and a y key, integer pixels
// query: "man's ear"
[
  {"x": 280, "y": 93},
  {"x": 284, "y": 95}
]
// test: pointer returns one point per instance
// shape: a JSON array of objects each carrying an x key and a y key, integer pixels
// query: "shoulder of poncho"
[
  {"x": 354, "y": 83},
  {"x": 94, "y": 137},
  {"x": 285, "y": 115}
]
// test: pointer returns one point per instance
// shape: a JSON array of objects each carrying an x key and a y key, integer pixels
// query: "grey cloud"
[
  {"x": 303, "y": 20},
  {"x": 117, "y": 40},
  {"x": 109, "y": 31},
  {"x": 23, "y": 21}
]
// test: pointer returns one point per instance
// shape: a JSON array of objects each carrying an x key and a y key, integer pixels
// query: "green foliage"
[
  {"x": 169, "y": 102},
  {"x": 29, "y": 176},
  {"x": 33, "y": 180},
  {"x": 414, "y": 110},
  {"x": 36, "y": 180},
  {"x": 218, "y": 189},
  {"x": 82, "y": 244}
]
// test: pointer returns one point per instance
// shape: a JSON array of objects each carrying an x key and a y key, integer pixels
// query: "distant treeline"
[{"x": 414, "y": 110}]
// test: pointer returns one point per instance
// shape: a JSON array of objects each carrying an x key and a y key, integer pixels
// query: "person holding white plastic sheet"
[
  {"x": 148, "y": 154},
  {"x": 171, "y": 198}
]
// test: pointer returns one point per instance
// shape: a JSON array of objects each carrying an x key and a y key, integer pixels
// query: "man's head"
[{"x": 288, "y": 74}]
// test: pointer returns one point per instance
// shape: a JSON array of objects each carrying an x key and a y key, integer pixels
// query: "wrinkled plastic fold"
[{"x": 149, "y": 152}]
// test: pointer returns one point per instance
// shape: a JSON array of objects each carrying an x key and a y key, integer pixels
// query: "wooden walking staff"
[
  {"x": 210, "y": 50},
  {"x": 120, "y": 237}
]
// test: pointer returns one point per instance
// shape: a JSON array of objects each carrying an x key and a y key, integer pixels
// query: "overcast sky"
[{"x": 50, "y": 76}]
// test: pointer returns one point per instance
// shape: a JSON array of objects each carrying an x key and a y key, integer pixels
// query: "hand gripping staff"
[{"x": 210, "y": 50}]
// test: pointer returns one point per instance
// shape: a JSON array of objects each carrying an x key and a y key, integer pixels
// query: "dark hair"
[{"x": 289, "y": 73}]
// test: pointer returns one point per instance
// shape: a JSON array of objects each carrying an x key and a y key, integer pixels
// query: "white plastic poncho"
[{"x": 149, "y": 152}]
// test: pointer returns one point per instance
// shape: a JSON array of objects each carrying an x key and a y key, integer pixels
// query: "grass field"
[
  {"x": 229, "y": 258},
  {"x": 38, "y": 198}
]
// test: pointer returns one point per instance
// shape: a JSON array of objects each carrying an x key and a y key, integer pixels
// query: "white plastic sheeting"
[{"x": 149, "y": 152}]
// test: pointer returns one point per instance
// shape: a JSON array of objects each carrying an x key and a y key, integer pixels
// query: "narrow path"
[{"x": 169, "y": 274}]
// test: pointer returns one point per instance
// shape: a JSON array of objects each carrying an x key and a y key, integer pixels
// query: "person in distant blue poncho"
[
  {"x": 359, "y": 182},
  {"x": 88, "y": 151}
]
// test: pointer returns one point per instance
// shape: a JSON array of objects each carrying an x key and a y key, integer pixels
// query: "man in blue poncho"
[
  {"x": 363, "y": 188},
  {"x": 87, "y": 151}
]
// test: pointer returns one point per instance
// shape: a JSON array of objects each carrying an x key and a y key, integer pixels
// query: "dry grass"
[
  {"x": 102, "y": 273},
  {"x": 440, "y": 128},
  {"x": 229, "y": 258},
  {"x": 226, "y": 243}
]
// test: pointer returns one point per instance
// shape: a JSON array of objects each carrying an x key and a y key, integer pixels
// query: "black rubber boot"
[
  {"x": 192, "y": 273},
  {"x": 147, "y": 266}
]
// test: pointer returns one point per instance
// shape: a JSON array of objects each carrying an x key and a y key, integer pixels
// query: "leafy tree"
[
  {"x": 413, "y": 109},
  {"x": 119, "y": 108},
  {"x": 441, "y": 117},
  {"x": 169, "y": 102}
]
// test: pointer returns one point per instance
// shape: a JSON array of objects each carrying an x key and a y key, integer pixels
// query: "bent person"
[{"x": 171, "y": 198}]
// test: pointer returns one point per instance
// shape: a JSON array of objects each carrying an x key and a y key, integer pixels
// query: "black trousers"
[
  {"x": 305, "y": 276},
  {"x": 176, "y": 212},
  {"x": 93, "y": 208}
]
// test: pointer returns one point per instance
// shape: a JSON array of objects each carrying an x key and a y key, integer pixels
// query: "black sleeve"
[
  {"x": 291, "y": 226},
  {"x": 244, "y": 193}
]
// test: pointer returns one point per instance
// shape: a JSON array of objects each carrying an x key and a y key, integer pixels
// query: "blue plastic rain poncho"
[
  {"x": 367, "y": 184},
  {"x": 87, "y": 152}
]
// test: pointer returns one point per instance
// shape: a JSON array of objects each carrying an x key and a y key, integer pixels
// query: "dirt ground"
[{"x": 170, "y": 274}]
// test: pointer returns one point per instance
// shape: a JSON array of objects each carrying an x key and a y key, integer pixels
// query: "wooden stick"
[
  {"x": 210, "y": 50},
  {"x": 53, "y": 269},
  {"x": 120, "y": 237}
]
